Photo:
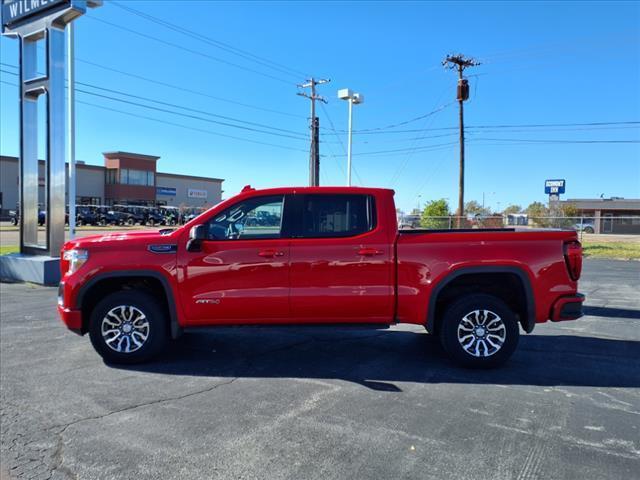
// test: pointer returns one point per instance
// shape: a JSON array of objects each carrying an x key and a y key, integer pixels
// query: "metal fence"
[{"x": 627, "y": 225}]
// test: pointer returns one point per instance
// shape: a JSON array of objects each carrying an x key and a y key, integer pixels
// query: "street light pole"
[
  {"x": 349, "y": 143},
  {"x": 352, "y": 98}
]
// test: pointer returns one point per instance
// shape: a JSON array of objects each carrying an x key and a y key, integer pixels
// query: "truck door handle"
[
  {"x": 369, "y": 252},
  {"x": 270, "y": 253}
]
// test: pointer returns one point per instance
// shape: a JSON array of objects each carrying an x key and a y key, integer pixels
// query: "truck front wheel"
[
  {"x": 128, "y": 327},
  {"x": 479, "y": 331}
]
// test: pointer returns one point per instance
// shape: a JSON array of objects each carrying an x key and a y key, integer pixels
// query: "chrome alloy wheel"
[
  {"x": 481, "y": 333},
  {"x": 125, "y": 329}
]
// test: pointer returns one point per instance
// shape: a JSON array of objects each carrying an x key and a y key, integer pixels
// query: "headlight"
[{"x": 76, "y": 258}]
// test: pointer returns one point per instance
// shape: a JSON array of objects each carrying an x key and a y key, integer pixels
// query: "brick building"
[{"x": 126, "y": 178}]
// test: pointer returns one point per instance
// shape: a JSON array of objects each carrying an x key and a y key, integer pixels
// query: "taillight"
[{"x": 573, "y": 258}]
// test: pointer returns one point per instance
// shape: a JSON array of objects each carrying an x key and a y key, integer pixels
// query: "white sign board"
[{"x": 195, "y": 193}]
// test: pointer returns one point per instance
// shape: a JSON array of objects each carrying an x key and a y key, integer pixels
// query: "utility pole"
[
  {"x": 314, "y": 154},
  {"x": 459, "y": 62}
]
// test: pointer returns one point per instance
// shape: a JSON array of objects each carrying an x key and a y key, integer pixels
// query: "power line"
[
  {"x": 195, "y": 52},
  {"x": 299, "y": 136},
  {"x": 410, "y": 149},
  {"x": 524, "y": 141},
  {"x": 535, "y": 125},
  {"x": 186, "y": 127},
  {"x": 398, "y": 172},
  {"x": 624, "y": 124},
  {"x": 406, "y": 122},
  {"x": 216, "y": 43},
  {"x": 433, "y": 172},
  {"x": 178, "y": 87},
  {"x": 473, "y": 127}
]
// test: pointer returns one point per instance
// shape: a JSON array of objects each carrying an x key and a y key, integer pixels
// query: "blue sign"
[
  {"x": 553, "y": 187},
  {"x": 169, "y": 191},
  {"x": 15, "y": 11}
]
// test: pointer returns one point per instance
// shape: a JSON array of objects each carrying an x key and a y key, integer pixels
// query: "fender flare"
[
  {"x": 527, "y": 323},
  {"x": 175, "y": 327}
]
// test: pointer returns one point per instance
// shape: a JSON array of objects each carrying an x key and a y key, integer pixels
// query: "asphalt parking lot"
[{"x": 313, "y": 403}]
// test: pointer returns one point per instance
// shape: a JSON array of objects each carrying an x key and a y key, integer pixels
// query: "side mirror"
[{"x": 196, "y": 235}]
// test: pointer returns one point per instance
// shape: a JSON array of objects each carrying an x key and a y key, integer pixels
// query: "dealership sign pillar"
[{"x": 42, "y": 86}]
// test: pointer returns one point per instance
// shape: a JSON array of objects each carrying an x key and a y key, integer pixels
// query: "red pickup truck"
[{"x": 318, "y": 255}]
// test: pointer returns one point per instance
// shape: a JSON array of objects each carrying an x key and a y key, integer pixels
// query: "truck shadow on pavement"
[
  {"x": 612, "y": 312},
  {"x": 379, "y": 359}
]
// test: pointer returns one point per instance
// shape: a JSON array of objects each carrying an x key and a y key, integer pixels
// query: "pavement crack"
[
  {"x": 64, "y": 427},
  {"x": 58, "y": 454}
]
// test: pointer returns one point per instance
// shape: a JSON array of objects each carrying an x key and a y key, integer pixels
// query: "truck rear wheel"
[
  {"x": 128, "y": 327},
  {"x": 479, "y": 331}
]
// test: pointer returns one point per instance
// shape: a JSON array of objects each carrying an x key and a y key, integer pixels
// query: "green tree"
[
  {"x": 537, "y": 211},
  {"x": 570, "y": 210},
  {"x": 435, "y": 208},
  {"x": 474, "y": 208},
  {"x": 569, "y": 213},
  {"x": 512, "y": 209}
]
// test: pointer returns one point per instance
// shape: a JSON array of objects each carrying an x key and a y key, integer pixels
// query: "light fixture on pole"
[{"x": 353, "y": 99}]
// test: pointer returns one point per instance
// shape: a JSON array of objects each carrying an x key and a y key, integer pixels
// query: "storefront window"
[
  {"x": 135, "y": 177},
  {"x": 112, "y": 176}
]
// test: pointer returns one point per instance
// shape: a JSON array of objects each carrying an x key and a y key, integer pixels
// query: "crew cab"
[{"x": 318, "y": 255}]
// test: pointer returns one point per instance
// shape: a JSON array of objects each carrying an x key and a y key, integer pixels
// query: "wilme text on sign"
[{"x": 15, "y": 12}]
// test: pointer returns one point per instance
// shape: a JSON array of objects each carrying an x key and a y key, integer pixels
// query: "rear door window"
[{"x": 325, "y": 216}]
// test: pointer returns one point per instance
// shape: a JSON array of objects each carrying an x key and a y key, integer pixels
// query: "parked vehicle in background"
[
  {"x": 14, "y": 217},
  {"x": 585, "y": 227},
  {"x": 408, "y": 221},
  {"x": 191, "y": 213},
  {"x": 107, "y": 216},
  {"x": 132, "y": 215},
  {"x": 171, "y": 215},
  {"x": 86, "y": 215},
  {"x": 153, "y": 216},
  {"x": 330, "y": 255}
]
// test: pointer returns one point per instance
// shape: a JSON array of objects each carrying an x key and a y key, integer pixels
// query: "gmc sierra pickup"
[{"x": 318, "y": 255}]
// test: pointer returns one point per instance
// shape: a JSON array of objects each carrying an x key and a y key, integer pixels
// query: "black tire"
[
  {"x": 589, "y": 230},
  {"x": 130, "y": 222},
  {"x": 152, "y": 222},
  {"x": 156, "y": 331},
  {"x": 461, "y": 314}
]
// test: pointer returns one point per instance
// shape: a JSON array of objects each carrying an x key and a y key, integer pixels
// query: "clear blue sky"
[{"x": 543, "y": 63}]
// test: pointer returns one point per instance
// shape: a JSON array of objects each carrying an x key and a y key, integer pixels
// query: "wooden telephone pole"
[
  {"x": 459, "y": 62},
  {"x": 314, "y": 154}
]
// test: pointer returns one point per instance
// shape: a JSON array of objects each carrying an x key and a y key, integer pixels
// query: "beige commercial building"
[
  {"x": 126, "y": 178},
  {"x": 608, "y": 215}
]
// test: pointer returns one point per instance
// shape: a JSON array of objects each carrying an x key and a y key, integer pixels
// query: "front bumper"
[
  {"x": 567, "y": 308},
  {"x": 70, "y": 317}
]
